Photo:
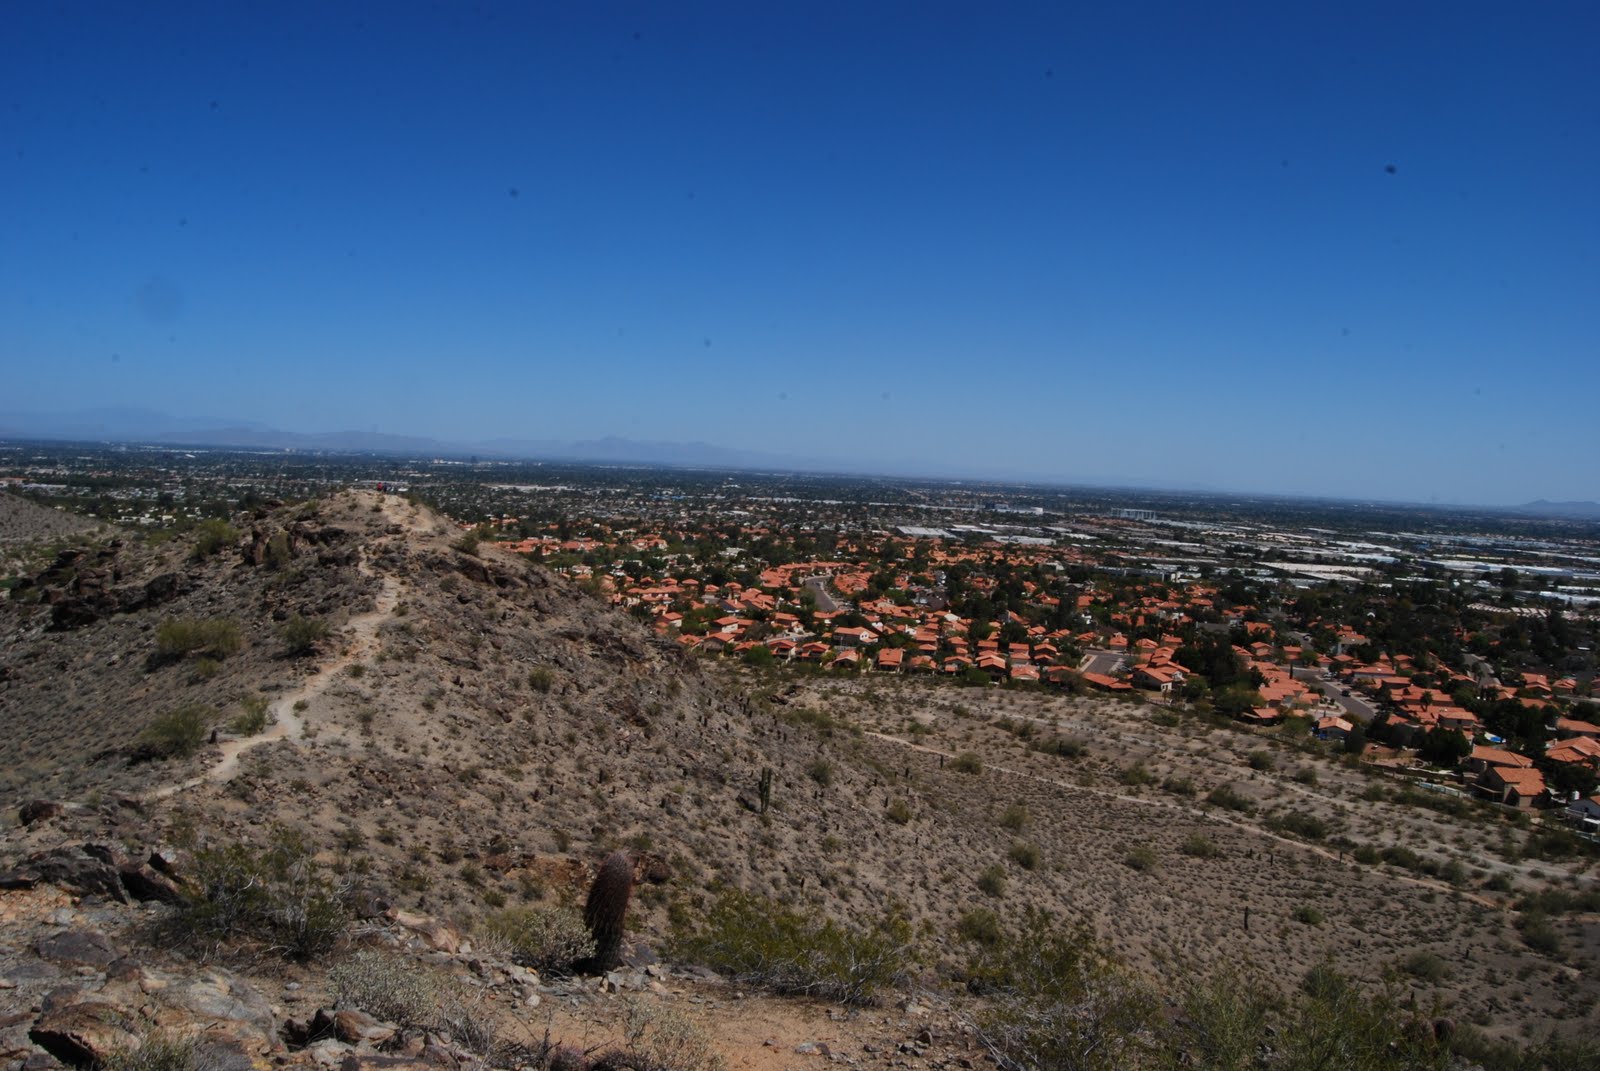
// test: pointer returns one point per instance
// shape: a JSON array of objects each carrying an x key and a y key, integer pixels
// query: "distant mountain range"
[
  {"x": 132, "y": 425},
  {"x": 147, "y": 426},
  {"x": 1584, "y": 511}
]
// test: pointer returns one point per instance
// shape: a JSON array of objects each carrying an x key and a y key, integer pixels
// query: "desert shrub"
[
  {"x": 157, "y": 1051},
  {"x": 1024, "y": 855},
  {"x": 301, "y": 635},
  {"x": 1259, "y": 760},
  {"x": 1137, "y": 774},
  {"x": 1366, "y": 854},
  {"x": 177, "y": 637},
  {"x": 967, "y": 763},
  {"x": 1301, "y": 825},
  {"x": 820, "y": 771},
  {"x": 1015, "y": 818},
  {"x": 1225, "y": 796},
  {"x": 386, "y": 986},
  {"x": 177, "y": 733},
  {"x": 276, "y": 896},
  {"x": 661, "y": 1038},
  {"x": 549, "y": 939},
  {"x": 1142, "y": 858},
  {"x": 1057, "y": 1003},
  {"x": 252, "y": 716},
  {"x": 541, "y": 679},
  {"x": 1401, "y": 856},
  {"x": 1552, "y": 842},
  {"x": 981, "y": 926},
  {"x": 1426, "y": 966},
  {"x": 992, "y": 882},
  {"x": 1227, "y": 1022},
  {"x": 1559, "y": 901},
  {"x": 1062, "y": 747},
  {"x": 1179, "y": 786},
  {"x": 1200, "y": 846},
  {"x": 899, "y": 812},
  {"x": 1308, "y": 915},
  {"x": 1539, "y": 935},
  {"x": 789, "y": 950},
  {"x": 213, "y": 536}
]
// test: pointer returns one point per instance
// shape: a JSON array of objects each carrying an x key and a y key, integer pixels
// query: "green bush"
[
  {"x": 992, "y": 882},
  {"x": 1062, "y": 747},
  {"x": 899, "y": 812},
  {"x": 1024, "y": 855},
  {"x": 1200, "y": 846},
  {"x": 1301, "y": 825},
  {"x": 967, "y": 763},
  {"x": 252, "y": 717},
  {"x": 1015, "y": 818},
  {"x": 1426, "y": 966},
  {"x": 1142, "y": 858},
  {"x": 177, "y": 733},
  {"x": 980, "y": 926},
  {"x": 177, "y": 637},
  {"x": 1309, "y": 915},
  {"x": 213, "y": 536},
  {"x": 1225, "y": 796},
  {"x": 545, "y": 938},
  {"x": 820, "y": 771},
  {"x": 301, "y": 635},
  {"x": 541, "y": 679},
  {"x": 1179, "y": 786},
  {"x": 1057, "y": 1004},
  {"x": 761, "y": 942},
  {"x": 1137, "y": 774},
  {"x": 276, "y": 896}
]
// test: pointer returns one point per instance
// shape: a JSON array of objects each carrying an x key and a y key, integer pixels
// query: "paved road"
[
  {"x": 825, "y": 600},
  {"x": 1105, "y": 662},
  {"x": 1355, "y": 705}
]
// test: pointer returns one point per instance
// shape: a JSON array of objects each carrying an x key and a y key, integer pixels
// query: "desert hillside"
[{"x": 446, "y": 732}]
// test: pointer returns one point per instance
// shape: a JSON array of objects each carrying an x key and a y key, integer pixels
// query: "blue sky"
[{"x": 1342, "y": 249}]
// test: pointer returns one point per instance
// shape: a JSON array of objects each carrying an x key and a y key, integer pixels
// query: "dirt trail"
[{"x": 286, "y": 723}]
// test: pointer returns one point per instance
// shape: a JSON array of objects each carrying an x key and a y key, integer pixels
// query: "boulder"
[
  {"x": 38, "y": 811},
  {"x": 71, "y": 867},
  {"x": 144, "y": 882},
  {"x": 75, "y": 947},
  {"x": 438, "y": 935},
  {"x": 85, "y": 1035},
  {"x": 223, "y": 998},
  {"x": 357, "y": 1027}
]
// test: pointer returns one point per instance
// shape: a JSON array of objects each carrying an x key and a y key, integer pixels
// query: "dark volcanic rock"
[
  {"x": 73, "y": 868},
  {"x": 145, "y": 882},
  {"x": 78, "y": 946},
  {"x": 38, "y": 811},
  {"x": 85, "y": 1035}
]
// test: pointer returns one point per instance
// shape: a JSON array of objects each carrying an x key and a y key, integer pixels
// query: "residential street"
[{"x": 1355, "y": 705}]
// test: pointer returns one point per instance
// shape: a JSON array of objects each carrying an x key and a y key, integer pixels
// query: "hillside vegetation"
[{"x": 338, "y": 730}]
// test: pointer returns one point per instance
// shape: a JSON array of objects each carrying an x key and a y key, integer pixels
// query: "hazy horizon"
[{"x": 1343, "y": 253}]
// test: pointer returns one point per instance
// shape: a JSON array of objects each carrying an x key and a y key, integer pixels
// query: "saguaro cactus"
[{"x": 604, "y": 910}]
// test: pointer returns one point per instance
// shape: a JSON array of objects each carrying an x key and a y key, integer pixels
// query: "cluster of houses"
[{"x": 923, "y": 637}]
